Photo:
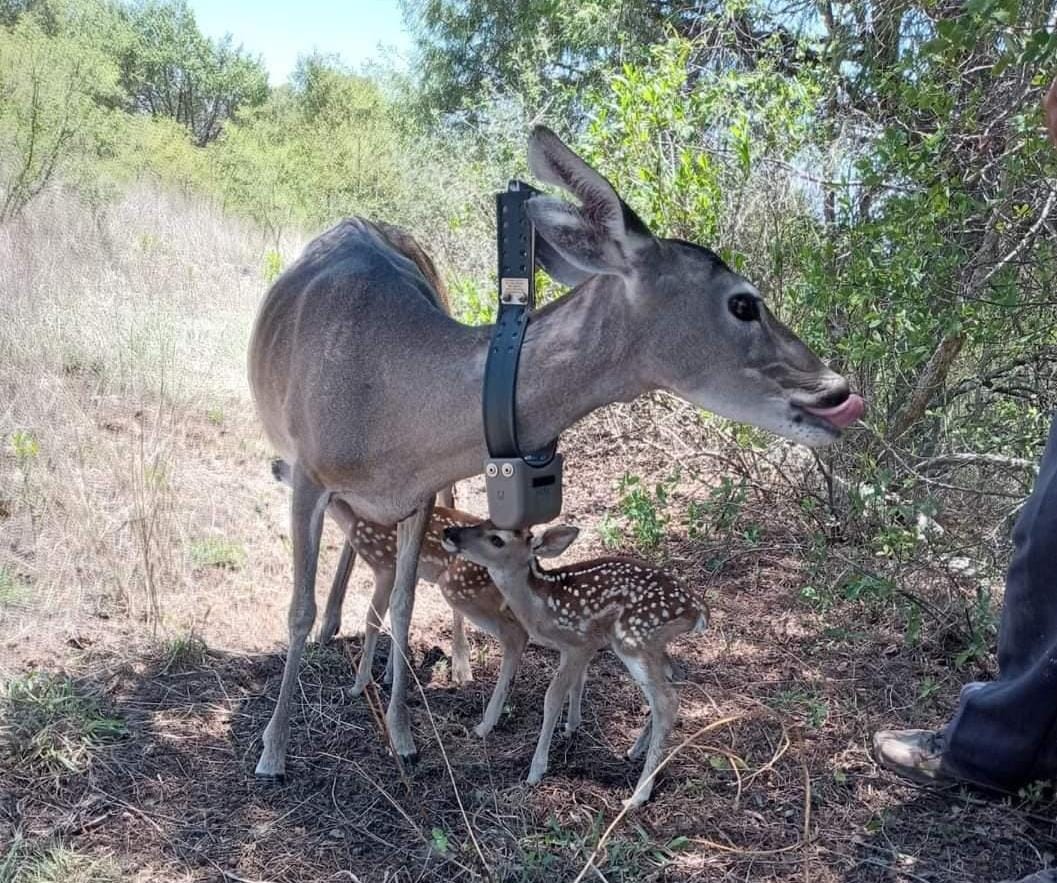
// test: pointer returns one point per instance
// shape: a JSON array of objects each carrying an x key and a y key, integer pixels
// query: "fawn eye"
[
  {"x": 496, "y": 541},
  {"x": 744, "y": 307}
]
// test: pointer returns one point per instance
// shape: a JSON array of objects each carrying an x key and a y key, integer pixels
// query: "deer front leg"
[
  {"x": 572, "y": 663},
  {"x": 336, "y": 599},
  {"x": 308, "y": 503},
  {"x": 383, "y": 589},
  {"x": 513, "y": 639},
  {"x": 409, "y": 535},
  {"x": 461, "y": 673}
]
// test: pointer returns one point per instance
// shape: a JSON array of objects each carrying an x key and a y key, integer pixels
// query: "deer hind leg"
[
  {"x": 409, "y": 536},
  {"x": 576, "y": 695},
  {"x": 383, "y": 589},
  {"x": 461, "y": 673},
  {"x": 648, "y": 669},
  {"x": 308, "y": 503},
  {"x": 336, "y": 599},
  {"x": 513, "y": 639},
  {"x": 572, "y": 664}
]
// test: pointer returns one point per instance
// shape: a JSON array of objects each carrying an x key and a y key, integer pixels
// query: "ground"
[
  {"x": 144, "y": 575},
  {"x": 775, "y": 781}
]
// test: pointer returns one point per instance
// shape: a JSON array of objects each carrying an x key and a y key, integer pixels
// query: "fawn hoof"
[
  {"x": 633, "y": 802},
  {"x": 483, "y": 729},
  {"x": 536, "y": 775},
  {"x": 358, "y": 687},
  {"x": 328, "y": 633},
  {"x": 461, "y": 676}
]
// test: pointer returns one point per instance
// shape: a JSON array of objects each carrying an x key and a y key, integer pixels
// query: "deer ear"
[
  {"x": 602, "y": 234},
  {"x": 557, "y": 267},
  {"x": 555, "y": 540}
]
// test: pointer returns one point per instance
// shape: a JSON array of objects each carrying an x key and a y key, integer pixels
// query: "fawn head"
[{"x": 507, "y": 550}]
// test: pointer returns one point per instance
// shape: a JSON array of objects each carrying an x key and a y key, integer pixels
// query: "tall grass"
[{"x": 119, "y": 328}]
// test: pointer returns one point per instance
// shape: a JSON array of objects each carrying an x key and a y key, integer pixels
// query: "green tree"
[
  {"x": 54, "y": 97},
  {"x": 169, "y": 68}
]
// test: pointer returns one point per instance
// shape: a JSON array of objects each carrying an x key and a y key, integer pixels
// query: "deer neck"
[
  {"x": 580, "y": 353},
  {"x": 524, "y": 594}
]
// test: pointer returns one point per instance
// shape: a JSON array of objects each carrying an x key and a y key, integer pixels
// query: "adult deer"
[{"x": 369, "y": 390}]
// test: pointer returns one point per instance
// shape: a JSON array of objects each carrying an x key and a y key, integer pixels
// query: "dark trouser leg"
[{"x": 1005, "y": 733}]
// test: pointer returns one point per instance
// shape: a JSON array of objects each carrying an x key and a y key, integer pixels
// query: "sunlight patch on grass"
[{"x": 51, "y": 725}]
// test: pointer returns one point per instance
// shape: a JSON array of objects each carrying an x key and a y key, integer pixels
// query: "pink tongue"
[{"x": 844, "y": 414}]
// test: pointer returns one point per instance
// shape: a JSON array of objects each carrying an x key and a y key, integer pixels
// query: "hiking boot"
[{"x": 912, "y": 754}]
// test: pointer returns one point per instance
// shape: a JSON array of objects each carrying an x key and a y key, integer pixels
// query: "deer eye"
[
  {"x": 744, "y": 307},
  {"x": 496, "y": 541}
]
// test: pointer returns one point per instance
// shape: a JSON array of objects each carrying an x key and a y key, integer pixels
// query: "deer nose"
[
  {"x": 450, "y": 540},
  {"x": 835, "y": 392},
  {"x": 837, "y": 404}
]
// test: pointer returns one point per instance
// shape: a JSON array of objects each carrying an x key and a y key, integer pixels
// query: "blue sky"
[{"x": 280, "y": 31}]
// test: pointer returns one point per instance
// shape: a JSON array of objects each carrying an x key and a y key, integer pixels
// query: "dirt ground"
[{"x": 773, "y": 781}]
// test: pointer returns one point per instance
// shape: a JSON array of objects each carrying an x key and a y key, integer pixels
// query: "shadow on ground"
[{"x": 784, "y": 791}]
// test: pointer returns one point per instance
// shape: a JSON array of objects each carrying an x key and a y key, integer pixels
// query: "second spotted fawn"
[
  {"x": 623, "y": 603},
  {"x": 466, "y": 587}
]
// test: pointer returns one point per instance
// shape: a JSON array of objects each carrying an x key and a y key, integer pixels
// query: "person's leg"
[{"x": 1004, "y": 733}]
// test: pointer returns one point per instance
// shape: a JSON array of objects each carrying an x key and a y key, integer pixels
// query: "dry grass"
[
  {"x": 143, "y": 561},
  {"x": 125, "y": 421}
]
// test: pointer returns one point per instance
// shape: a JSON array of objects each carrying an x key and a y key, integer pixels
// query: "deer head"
[{"x": 703, "y": 331}]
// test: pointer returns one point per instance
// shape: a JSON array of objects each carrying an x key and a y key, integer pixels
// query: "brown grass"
[{"x": 143, "y": 555}]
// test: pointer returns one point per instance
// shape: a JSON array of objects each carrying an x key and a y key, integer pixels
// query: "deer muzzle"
[{"x": 842, "y": 415}]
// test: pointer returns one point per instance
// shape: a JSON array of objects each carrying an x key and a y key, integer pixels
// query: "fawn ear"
[{"x": 555, "y": 540}]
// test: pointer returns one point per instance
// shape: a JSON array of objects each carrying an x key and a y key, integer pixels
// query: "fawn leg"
[
  {"x": 648, "y": 670},
  {"x": 576, "y": 695},
  {"x": 513, "y": 639},
  {"x": 383, "y": 589},
  {"x": 336, "y": 599},
  {"x": 461, "y": 673},
  {"x": 572, "y": 663}
]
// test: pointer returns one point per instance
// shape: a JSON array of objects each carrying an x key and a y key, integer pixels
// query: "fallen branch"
[{"x": 971, "y": 459}]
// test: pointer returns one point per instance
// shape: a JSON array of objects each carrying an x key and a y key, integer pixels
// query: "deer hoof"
[
  {"x": 461, "y": 675},
  {"x": 270, "y": 769},
  {"x": 483, "y": 729},
  {"x": 401, "y": 740},
  {"x": 357, "y": 688}
]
